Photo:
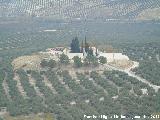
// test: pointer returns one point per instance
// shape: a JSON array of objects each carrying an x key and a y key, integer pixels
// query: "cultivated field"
[{"x": 67, "y": 95}]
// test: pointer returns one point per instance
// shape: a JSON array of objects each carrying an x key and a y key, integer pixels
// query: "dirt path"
[
  {"x": 49, "y": 84},
  {"x": 155, "y": 87},
  {"x": 6, "y": 88},
  {"x": 130, "y": 73},
  {"x": 19, "y": 85},
  {"x": 32, "y": 81},
  {"x": 98, "y": 86},
  {"x": 65, "y": 85}
]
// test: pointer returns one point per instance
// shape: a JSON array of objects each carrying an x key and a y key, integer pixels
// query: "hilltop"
[{"x": 82, "y": 55}]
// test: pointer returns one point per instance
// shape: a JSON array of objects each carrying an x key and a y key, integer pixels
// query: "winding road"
[{"x": 132, "y": 74}]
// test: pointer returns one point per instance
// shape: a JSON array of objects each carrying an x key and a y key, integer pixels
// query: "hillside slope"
[{"x": 92, "y": 9}]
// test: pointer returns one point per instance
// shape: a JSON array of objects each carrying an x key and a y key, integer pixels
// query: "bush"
[
  {"x": 64, "y": 59},
  {"x": 77, "y": 61},
  {"x": 137, "y": 90},
  {"x": 44, "y": 63},
  {"x": 51, "y": 63},
  {"x": 102, "y": 60}
]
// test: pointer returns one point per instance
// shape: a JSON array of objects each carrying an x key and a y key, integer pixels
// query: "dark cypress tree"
[
  {"x": 86, "y": 45},
  {"x": 75, "y": 48},
  {"x": 82, "y": 47},
  {"x": 96, "y": 51}
]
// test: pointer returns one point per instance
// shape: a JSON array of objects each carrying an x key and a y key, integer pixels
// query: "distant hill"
[{"x": 81, "y": 9}]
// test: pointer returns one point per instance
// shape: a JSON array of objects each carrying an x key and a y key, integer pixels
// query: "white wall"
[
  {"x": 114, "y": 56},
  {"x": 71, "y": 55}
]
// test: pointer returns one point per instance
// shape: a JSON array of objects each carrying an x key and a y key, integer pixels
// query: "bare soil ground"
[
  {"x": 6, "y": 88},
  {"x": 122, "y": 64},
  {"x": 149, "y": 14},
  {"x": 32, "y": 81},
  {"x": 72, "y": 70},
  {"x": 65, "y": 85},
  {"x": 49, "y": 84},
  {"x": 19, "y": 86},
  {"x": 31, "y": 62}
]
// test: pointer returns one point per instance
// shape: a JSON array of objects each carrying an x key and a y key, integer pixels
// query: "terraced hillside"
[
  {"x": 97, "y": 9},
  {"x": 70, "y": 98},
  {"x": 68, "y": 93}
]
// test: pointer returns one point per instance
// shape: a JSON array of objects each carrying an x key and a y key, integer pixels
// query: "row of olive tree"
[
  {"x": 64, "y": 59},
  {"x": 89, "y": 61}
]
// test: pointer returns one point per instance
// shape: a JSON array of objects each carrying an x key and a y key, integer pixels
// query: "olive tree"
[
  {"x": 77, "y": 61},
  {"x": 64, "y": 59}
]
